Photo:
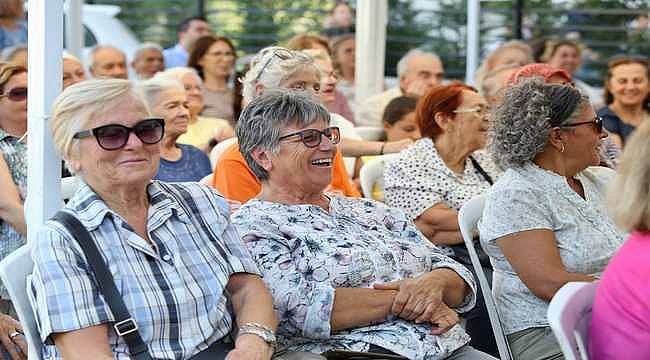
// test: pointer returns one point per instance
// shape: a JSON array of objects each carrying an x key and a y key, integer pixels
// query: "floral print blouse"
[{"x": 306, "y": 253}]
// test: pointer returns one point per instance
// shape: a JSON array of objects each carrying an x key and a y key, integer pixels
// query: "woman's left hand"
[
  {"x": 250, "y": 347},
  {"x": 420, "y": 299}
]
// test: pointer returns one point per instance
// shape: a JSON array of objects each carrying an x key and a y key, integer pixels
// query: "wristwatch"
[{"x": 264, "y": 332}]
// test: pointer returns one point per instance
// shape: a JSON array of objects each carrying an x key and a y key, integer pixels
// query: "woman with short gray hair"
[
  {"x": 545, "y": 221},
  {"x": 345, "y": 273}
]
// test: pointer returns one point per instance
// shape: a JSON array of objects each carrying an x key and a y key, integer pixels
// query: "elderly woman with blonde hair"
[
  {"x": 545, "y": 222},
  {"x": 169, "y": 248},
  {"x": 621, "y": 311},
  {"x": 73, "y": 71}
]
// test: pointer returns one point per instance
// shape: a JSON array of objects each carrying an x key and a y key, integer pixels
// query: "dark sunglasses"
[
  {"x": 597, "y": 122},
  {"x": 114, "y": 137},
  {"x": 312, "y": 138},
  {"x": 16, "y": 94}
]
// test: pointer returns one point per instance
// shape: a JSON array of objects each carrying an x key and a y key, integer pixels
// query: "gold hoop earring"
[{"x": 562, "y": 148}]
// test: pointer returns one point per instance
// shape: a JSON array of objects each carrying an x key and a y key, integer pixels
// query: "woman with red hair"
[{"x": 434, "y": 178}]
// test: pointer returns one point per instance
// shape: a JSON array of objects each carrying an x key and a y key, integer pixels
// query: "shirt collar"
[{"x": 91, "y": 210}]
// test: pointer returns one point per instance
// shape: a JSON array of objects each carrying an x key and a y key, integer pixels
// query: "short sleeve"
[
  {"x": 511, "y": 210},
  {"x": 412, "y": 187},
  {"x": 63, "y": 290}
]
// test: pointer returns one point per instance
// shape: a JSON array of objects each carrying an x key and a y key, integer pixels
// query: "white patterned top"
[{"x": 529, "y": 198}]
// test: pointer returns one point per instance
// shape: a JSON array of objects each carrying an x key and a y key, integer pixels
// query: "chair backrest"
[
  {"x": 468, "y": 217},
  {"x": 372, "y": 173},
  {"x": 207, "y": 180},
  {"x": 370, "y": 133},
  {"x": 218, "y": 149},
  {"x": 569, "y": 315},
  {"x": 14, "y": 270},
  {"x": 69, "y": 186}
]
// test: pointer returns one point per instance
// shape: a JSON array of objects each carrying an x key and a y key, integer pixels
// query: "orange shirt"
[{"x": 235, "y": 180}]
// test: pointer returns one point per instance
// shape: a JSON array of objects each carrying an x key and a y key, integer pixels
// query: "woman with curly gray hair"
[{"x": 545, "y": 221}]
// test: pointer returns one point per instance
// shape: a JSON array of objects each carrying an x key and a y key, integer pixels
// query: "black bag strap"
[
  {"x": 480, "y": 170},
  {"x": 125, "y": 326}
]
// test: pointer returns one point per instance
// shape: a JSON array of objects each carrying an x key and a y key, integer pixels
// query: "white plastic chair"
[
  {"x": 468, "y": 217},
  {"x": 218, "y": 149},
  {"x": 69, "y": 186},
  {"x": 569, "y": 315},
  {"x": 207, "y": 180},
  {"x": 14, "y": 270},
  {"x": 372, "y": 173},
  {"x": 370, "y": 133}
]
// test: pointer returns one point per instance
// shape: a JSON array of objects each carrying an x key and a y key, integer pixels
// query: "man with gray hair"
[
  {"x": 148, "y": 60},
  {"x": 107, "y": 62},
  {"x": 418, "y": 71}
]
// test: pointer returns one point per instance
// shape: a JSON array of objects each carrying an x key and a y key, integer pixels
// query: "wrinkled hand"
[
  {"x": 250, "y": 347},
  {"x": 418, "y": 88},
  {"x": 7, "y": 327},
  {"x": 421, "y": 300},
  {"x": 397, "y": 146}
]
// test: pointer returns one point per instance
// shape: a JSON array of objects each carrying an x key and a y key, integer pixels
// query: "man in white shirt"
[
  {"x": 189, "y": 30},
  {"x": 418, "y": 71}
]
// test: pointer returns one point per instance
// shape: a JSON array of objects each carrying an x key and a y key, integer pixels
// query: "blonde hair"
[
  {"x": 74, "y": 108},
  {"x": 487, "y": 67},
  {"x": 7, "y": 71},
  {"x": 629, "y": 192}
]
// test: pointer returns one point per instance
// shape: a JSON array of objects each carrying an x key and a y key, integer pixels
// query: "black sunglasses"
[
  {"x": 597, "y": 122},
  {"x": 312, "y": 138},
  {"x": 114, "y": 137},
  {"x": 16, "y": 94}
]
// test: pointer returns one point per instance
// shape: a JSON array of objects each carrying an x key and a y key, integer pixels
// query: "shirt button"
[{"x": 166, "y": 257}]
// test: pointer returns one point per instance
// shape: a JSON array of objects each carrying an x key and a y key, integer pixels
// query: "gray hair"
[
  {"x": 522, "y": 123},
  {"x": 263, "y": 119},
  {"x": 146, "y": 46},
  {"x": 402, "y": 64},
  {"x": 178, "y": 73},
  {"x": 271, "y": 66},
  {"x": 152, "y": 88}
]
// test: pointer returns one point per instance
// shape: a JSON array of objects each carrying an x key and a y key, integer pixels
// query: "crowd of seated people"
[{"x": 280, "y": 247}]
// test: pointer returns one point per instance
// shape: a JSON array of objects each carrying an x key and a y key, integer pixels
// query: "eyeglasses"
[
  {"x": 597, "y": 122},
  {"x": 282, "y": 54},
  {"x": 479, "y": 110},
  {"x": 114, "y": 137},
  {"x": 312, "y": 138},
  {"x": 16, "y": 94}
]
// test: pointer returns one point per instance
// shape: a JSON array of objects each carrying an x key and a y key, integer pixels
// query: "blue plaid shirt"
[
  {"x": 174, "y": 290},
  {"x": 15, "y": 155}
]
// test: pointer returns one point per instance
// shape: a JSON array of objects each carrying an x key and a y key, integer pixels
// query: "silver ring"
[{"x": 13, "y": 335}]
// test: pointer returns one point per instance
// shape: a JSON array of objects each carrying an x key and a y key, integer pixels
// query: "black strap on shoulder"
[
  {"x": 125, "y": 326},
  {"x": 480, "y": 170}
]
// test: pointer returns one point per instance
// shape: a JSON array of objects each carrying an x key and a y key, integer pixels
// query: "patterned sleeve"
[
  {"x": 63, "y": 290},
  {"x": 514, "y": 209},
  {"x": 411, "y": 187},
  {"x": 396, "y": 221},
  {"x": 303, "y": 303}
]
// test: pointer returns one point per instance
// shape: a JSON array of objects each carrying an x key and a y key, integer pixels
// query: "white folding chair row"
[
  {"x": 468, "y": 217},
  {"x": 372, "y": 173},
  {"x": 218, "y": 149},
  {"x": 569, "y": 315},
  {"x": 14, "y": 270}
]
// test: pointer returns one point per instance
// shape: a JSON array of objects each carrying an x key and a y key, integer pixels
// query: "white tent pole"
[
  {"x": 44, "y": 82},
  {"x": 74, "y": 29},
  {"x": 371, "y": 21},
  {"x": 473, "y": 33}
]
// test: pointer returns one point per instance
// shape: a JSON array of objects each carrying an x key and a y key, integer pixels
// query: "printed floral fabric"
[{"x": 306, "y": 253}]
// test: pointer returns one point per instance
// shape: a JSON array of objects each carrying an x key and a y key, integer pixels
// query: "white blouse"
[{"x": 529, "y": 198}]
